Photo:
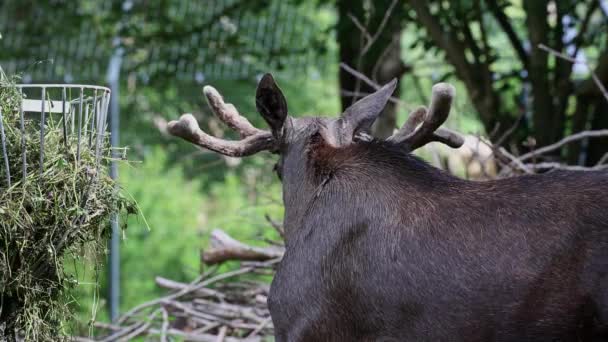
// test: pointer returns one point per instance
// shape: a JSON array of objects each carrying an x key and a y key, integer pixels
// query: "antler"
[
  {"x": 253, "y": 140},
  {"x": 431, "y": 119}
]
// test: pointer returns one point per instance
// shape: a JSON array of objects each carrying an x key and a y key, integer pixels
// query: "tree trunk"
[
  {"x": 381, "y": 62},
  {"x": 548, "y": 125},
  {"x": 599, "y": 146},
  {"x": 579, "y": 123}
]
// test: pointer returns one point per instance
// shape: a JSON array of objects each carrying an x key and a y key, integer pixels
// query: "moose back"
[{"x": 380, "y": 246}]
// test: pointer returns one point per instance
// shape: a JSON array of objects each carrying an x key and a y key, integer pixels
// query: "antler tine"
[
  {"x": 253, "y": 140},
  {"x": 413, "y": 120},
  {"x": 228, "y": 113},
  {"x": 437, "y": 114},
  {"x": 448, "y": 137}
]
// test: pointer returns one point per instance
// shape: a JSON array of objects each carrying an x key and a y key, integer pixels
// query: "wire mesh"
[
  {"x": 81, "y": 112},
  {"x": 222, "y": 39}
]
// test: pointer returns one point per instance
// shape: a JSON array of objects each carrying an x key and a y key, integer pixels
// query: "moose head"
[{"x": 310, "y": 148}]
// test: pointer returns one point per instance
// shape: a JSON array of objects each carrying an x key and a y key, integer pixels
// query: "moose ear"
[
  {"x": 362, "y": 114},
  {"x": 271, "y": 104},
  {"x": 359, "y": 117}
]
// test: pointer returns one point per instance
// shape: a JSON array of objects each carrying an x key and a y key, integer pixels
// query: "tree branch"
[
  {"x": 580, "y": 37},
  {"x": 374, "y": 38},
  {"x": 565, "y": 141},
  {"x": 445, "y": 39},
  {"x": 225, "y": 248},
  {"x": 602, "y": 69},
  {"x": 505, "y": 23}
]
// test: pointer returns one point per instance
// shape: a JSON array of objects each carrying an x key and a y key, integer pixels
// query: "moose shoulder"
[{"x": 380, "y": 246}]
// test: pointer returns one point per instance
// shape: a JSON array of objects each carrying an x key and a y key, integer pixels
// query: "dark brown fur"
[{"x": 383, "y": 247}]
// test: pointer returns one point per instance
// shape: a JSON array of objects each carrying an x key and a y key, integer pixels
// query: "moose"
[{"x": 381, "y": 246}]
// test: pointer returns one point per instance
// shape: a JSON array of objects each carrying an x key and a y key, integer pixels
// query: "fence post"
[{"x": 114, "y": 262}]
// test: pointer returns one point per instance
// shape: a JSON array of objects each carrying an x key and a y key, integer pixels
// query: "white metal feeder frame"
[{"x": 83, "y": 110}]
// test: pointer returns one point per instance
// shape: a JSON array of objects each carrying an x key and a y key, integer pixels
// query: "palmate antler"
[
  {"x": 253, "y": 140},
  {"x": 431, "y": 119}
]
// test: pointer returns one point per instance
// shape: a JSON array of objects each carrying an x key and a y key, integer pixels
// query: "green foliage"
[{"x": 165, "y": 239}]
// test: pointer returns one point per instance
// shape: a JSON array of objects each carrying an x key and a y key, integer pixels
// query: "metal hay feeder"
[{"x": 81, "y": 110}]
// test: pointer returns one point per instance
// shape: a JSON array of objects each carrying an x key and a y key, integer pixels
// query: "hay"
[{"x": 63, "y": 212}]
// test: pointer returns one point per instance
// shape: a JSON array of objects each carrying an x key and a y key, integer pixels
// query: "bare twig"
[
  {"x": 141, "y": 328},
  {"x": 358, "y": 94},
  {"x": 564, "y": 141},
  {"x": 222, "y": 334},
  {"x": 515, "y": 160},
  {"x": 165, "y": 326},
  {"x": 578, "y": 40},
  {"x": 594, "y": 76},
  {"x": 193, "y": 287},
  {"x": 507, "y": 27},
  {"x": 387, "y": 50},
  {"x": 508, "y": 159},
  {"x": 360, "y": 26},
  {"x": 509, "y": 131},
  {"x": 177, "y": 286},
  {"x": 224, "y": 248},
  {"x": 276, "y": 225},
  {"x": 359, "y": 75},
  {"x": 559, "y": 166},
  {"x": 368, "y": 81},
  {"x": 603, "y": 160},
  {"x": 260, "y": 327},
  {"x": 385, "y": 19}
]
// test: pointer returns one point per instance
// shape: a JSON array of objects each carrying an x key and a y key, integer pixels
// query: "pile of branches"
[{"x": 229, "y": 306}]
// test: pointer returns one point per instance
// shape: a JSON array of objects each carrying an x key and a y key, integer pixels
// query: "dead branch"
[
  {"x": 365, "y": 79},
  {"x": 195, "y": 312},
  {"x": 560, "y": 166},
  {"x": 192, "y": 287},
  {"x": 165, "y": 326},
  {"x": 376, "y": 35},
  {"x": 567, "y": 140},
  {"x": 358, "y": 94},
  {"x": 276, "y": 225},
  {"x": 513, "y": 164},
  {"x": 224, "y": 248},
  {"x": 360, "y": 26},
  {"x": 563, "y": 56},
  {"x": 177, "y": 286}
]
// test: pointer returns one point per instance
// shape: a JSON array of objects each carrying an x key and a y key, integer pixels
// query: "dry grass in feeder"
[{"x": 61, "y": 211}]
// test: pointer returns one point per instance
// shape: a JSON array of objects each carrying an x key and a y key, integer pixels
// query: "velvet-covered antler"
[
  {"x": 414, "y": 135},
  {"x": 253, "y": 140}
]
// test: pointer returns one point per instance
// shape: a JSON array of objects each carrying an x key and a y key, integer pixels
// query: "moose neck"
[{"x": 374, "y": 178}]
